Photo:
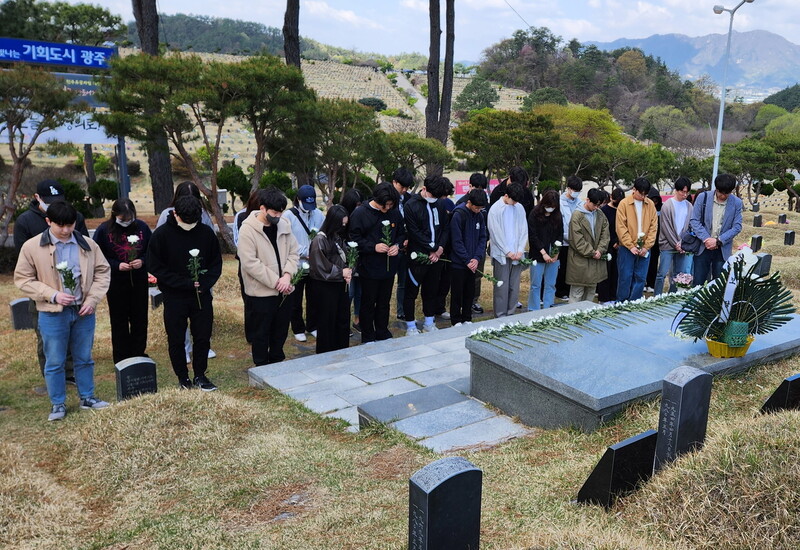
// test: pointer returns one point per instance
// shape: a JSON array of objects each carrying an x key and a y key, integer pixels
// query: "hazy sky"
[{"x": 394, "y": 26}]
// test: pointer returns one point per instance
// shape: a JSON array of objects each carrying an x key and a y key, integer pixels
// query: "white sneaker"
[
  {"x": 445, "y": 315},
  {"x": 301, "y": 337},
  {"x": 211, "y": 353},
  {"x": 412, "y": 331},
  {"x": 429, "y": 328},
  {"x": 457, "y": 325},
  {"x": 313, "y": 333},
  {"x": 188, "y": 358}
]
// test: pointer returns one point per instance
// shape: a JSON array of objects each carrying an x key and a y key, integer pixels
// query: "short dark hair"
[
  {"x": 683, "y": 183},
  {"x": 437, "y": 186},
  {"x": 478, "y": 181},
  {"x": 62, "y": 213},
  {"x": 188, "y": 208},
  {"x": 575, "y": 183},
  {"x": 272, "y": 198},
  {"x": 404, "y": 177},
  {"x": 617, "y": 194},
  {"x": 518, "y": 175},
  {"x": 725, "y": 183},
  {"x": 477, "y": 197},
  {"x": 642, "y": 185},
  {"x": 351, "y": 199},
  {"x": 385, "y": 192},
  {"x": 515, "y": 192},
  {"x": 596, "y": 196}
]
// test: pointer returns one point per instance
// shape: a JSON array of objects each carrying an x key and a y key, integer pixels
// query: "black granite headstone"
[
  {"x": 444, "y": 506},
  {"x": 764, "y": 264},
  {"x": 788, "y": 238},
  {"x": 623, "y": 467},
  {"x": 756, "y": 208},
  {"x": 156, "y": 299},
  {"x": 787, "y": 396},
  {"x": 21, "y": 316},
  {"x": 755, "y": 242},
  {"x": 782, "y": 218},
  {"x": 135, "y": 376},
  {"x": 757, "y": 221},
  {"x": 685, "y": 398}
]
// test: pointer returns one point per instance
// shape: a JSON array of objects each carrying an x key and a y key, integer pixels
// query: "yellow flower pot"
[{"x": 723, "y": 350}]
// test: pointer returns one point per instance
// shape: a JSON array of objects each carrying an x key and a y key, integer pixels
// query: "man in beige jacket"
[
  {"x": 66, "y": 275},
  {"x": 268, "y": 253},
  {"x": 637, "y": 224}
]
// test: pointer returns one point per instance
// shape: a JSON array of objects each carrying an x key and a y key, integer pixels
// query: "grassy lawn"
[{"x": 251, "y": 468}]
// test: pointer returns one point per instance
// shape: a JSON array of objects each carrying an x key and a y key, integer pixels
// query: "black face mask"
[{"x": 273, "y": 220}]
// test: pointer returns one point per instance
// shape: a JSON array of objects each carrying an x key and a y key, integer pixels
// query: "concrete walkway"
[
  {"x": 405, "y": 84},
  {"x": 418, "y": 385}
]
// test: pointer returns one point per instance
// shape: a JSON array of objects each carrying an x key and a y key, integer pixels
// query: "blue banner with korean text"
[{"x": 50, "y": 53}]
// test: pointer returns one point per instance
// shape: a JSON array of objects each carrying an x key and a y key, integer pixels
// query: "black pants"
[
  {"x": 562, "y": 288},
  {"x": 127, "y": 307},
  {"x": 462, "y": 291},
  {"x": 425, "y": 276},
  {"x": 374, "y": 314},
  {"x": 444, "y": 288},
  {"x": 607, "y": 290},
  {"x": 296, "y": 298},
  {"x": 183, "y": 311},
  {"x": 332, "y": 302},
  {"x": 268, "y": 323}
]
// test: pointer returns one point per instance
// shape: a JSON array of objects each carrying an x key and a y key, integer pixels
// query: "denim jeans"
[
  {"x": 548, "y": 273},
  {"x": 62, "y": 331},
  {"x": 632, "y": 274},
  {"x": 671, "y": 262},
  {"x": 709, "y": 261}
]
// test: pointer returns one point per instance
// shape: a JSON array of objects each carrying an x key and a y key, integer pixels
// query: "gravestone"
[
  {"x": 764, "y": 264},
  {"x": 444, "y": 506},
  {"x": 685, "y": 398},
  {"x": 21, "y": 316},
  {"x": 757, "y": 221},
  {"x": 756, "y": 208},
  {"x": 787, "y": 396},
  {"x": 621, "y": 469},
  {"x": 782, "y": 218},
  {"x": 788, "y": 238},
  {"x": 156, "y": 299},
  {"x": 135, "y": 376},
  {"x": 755, "y": 242}
]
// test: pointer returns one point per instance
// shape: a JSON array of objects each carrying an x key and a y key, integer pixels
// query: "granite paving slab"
[
  {"x": 485, "y": 433},
  {"x": 398, "y": 407},
  {"x": 441, "y": 375},
  {"x": 395, "y": 386},
  {"x": 444, "y": 419}
]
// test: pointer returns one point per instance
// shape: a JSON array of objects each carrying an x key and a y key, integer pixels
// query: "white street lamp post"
[{"x": 718, "y": 10}]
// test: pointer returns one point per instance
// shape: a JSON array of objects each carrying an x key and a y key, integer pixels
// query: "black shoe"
[
  {"x": 476, "y": 308},
  {"x": 71, "y": 381},
  {"x": 185, "y": 384},
  {"x": 204, "y": 383}
]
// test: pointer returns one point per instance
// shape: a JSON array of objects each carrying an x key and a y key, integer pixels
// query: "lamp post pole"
[{"x": 718, "y": 10}]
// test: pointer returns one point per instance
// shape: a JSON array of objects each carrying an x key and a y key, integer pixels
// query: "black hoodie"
[{"x": 31, "y": 223}]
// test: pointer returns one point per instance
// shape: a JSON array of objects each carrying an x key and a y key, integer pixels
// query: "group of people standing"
[{"x": 349, "y": 256}]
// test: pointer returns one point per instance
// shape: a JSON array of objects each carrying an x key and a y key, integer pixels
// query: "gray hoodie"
[{"x": 568, "y": 206}]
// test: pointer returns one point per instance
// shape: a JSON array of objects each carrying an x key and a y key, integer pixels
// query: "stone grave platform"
[
  {"x": 585, "y": 381},
  {"x": 418, "y": 385}
]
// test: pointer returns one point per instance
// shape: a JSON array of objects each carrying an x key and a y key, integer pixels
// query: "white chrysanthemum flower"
[
  {"x": 499, "y": 283},
  {"x": 641, "y": 235},
  {"x": 386, "y": 222},
  {"x": 194, "y": 253},
  {"x": 414, "y": 255},
  {"x": 61, "y": 266},
  {"x": 352, "y": 244},
  {"x": 557, "y": 243},
  {"x": 133, "y": 239},
  {"x": 305, "y": 265}
]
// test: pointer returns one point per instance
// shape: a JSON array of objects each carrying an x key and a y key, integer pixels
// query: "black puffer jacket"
[{"x": 31, "y": 223}]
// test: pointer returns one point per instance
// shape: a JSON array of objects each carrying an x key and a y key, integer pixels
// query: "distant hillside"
[
  {"x": 201, "y": 33},
  {"x": 759, "y": 59}
]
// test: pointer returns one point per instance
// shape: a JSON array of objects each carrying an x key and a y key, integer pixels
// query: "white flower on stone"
[
  {"x": 499, "y": 283},
  {"x": 386, "y": 222},
  {"x": 352, "y": 244},
  {"x": 194, "y": 253},
  {"x": 133, "y": 239},
  {"x": 61, "y": 266}
]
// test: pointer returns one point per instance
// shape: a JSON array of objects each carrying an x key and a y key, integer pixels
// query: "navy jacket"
[{"x": 468, "y": 236}]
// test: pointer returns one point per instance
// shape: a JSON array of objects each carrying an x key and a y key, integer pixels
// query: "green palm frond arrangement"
[{"x": 764, "y": 303}]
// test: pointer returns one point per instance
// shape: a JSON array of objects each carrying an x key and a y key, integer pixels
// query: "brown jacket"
[
  {"x": 260, "y": 269},
  {"x": 627, "y": 230},
  {"x": 36, "y": 274}
]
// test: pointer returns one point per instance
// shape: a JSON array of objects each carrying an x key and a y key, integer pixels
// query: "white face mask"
[
  {"x": 431, "y": 200},
  {"x": 186, "y": 226},
  {"x": 124, "y": 223},
  {"x": 548, "y": 210}
]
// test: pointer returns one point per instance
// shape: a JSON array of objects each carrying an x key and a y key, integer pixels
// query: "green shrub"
[
  {"x": 395, "y": 113},
  {"x": 375, "y": 103},
  {"x": 8, "y": 259},
  {"x": 233, "y": 178},
  {"x": 280, "y": 180},
  {"x": 767, "y": 189},
  {"x": 544, "y": 185},
  {"x": 76, "y": 196},
  {"x": 102, "y": 190}
]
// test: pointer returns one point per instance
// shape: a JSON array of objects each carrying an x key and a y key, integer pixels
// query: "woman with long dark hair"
[
  {"x": 545, "y": 229},
  {"x": 123, "y": 239},
  {"x": 330, "y": 275}
]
